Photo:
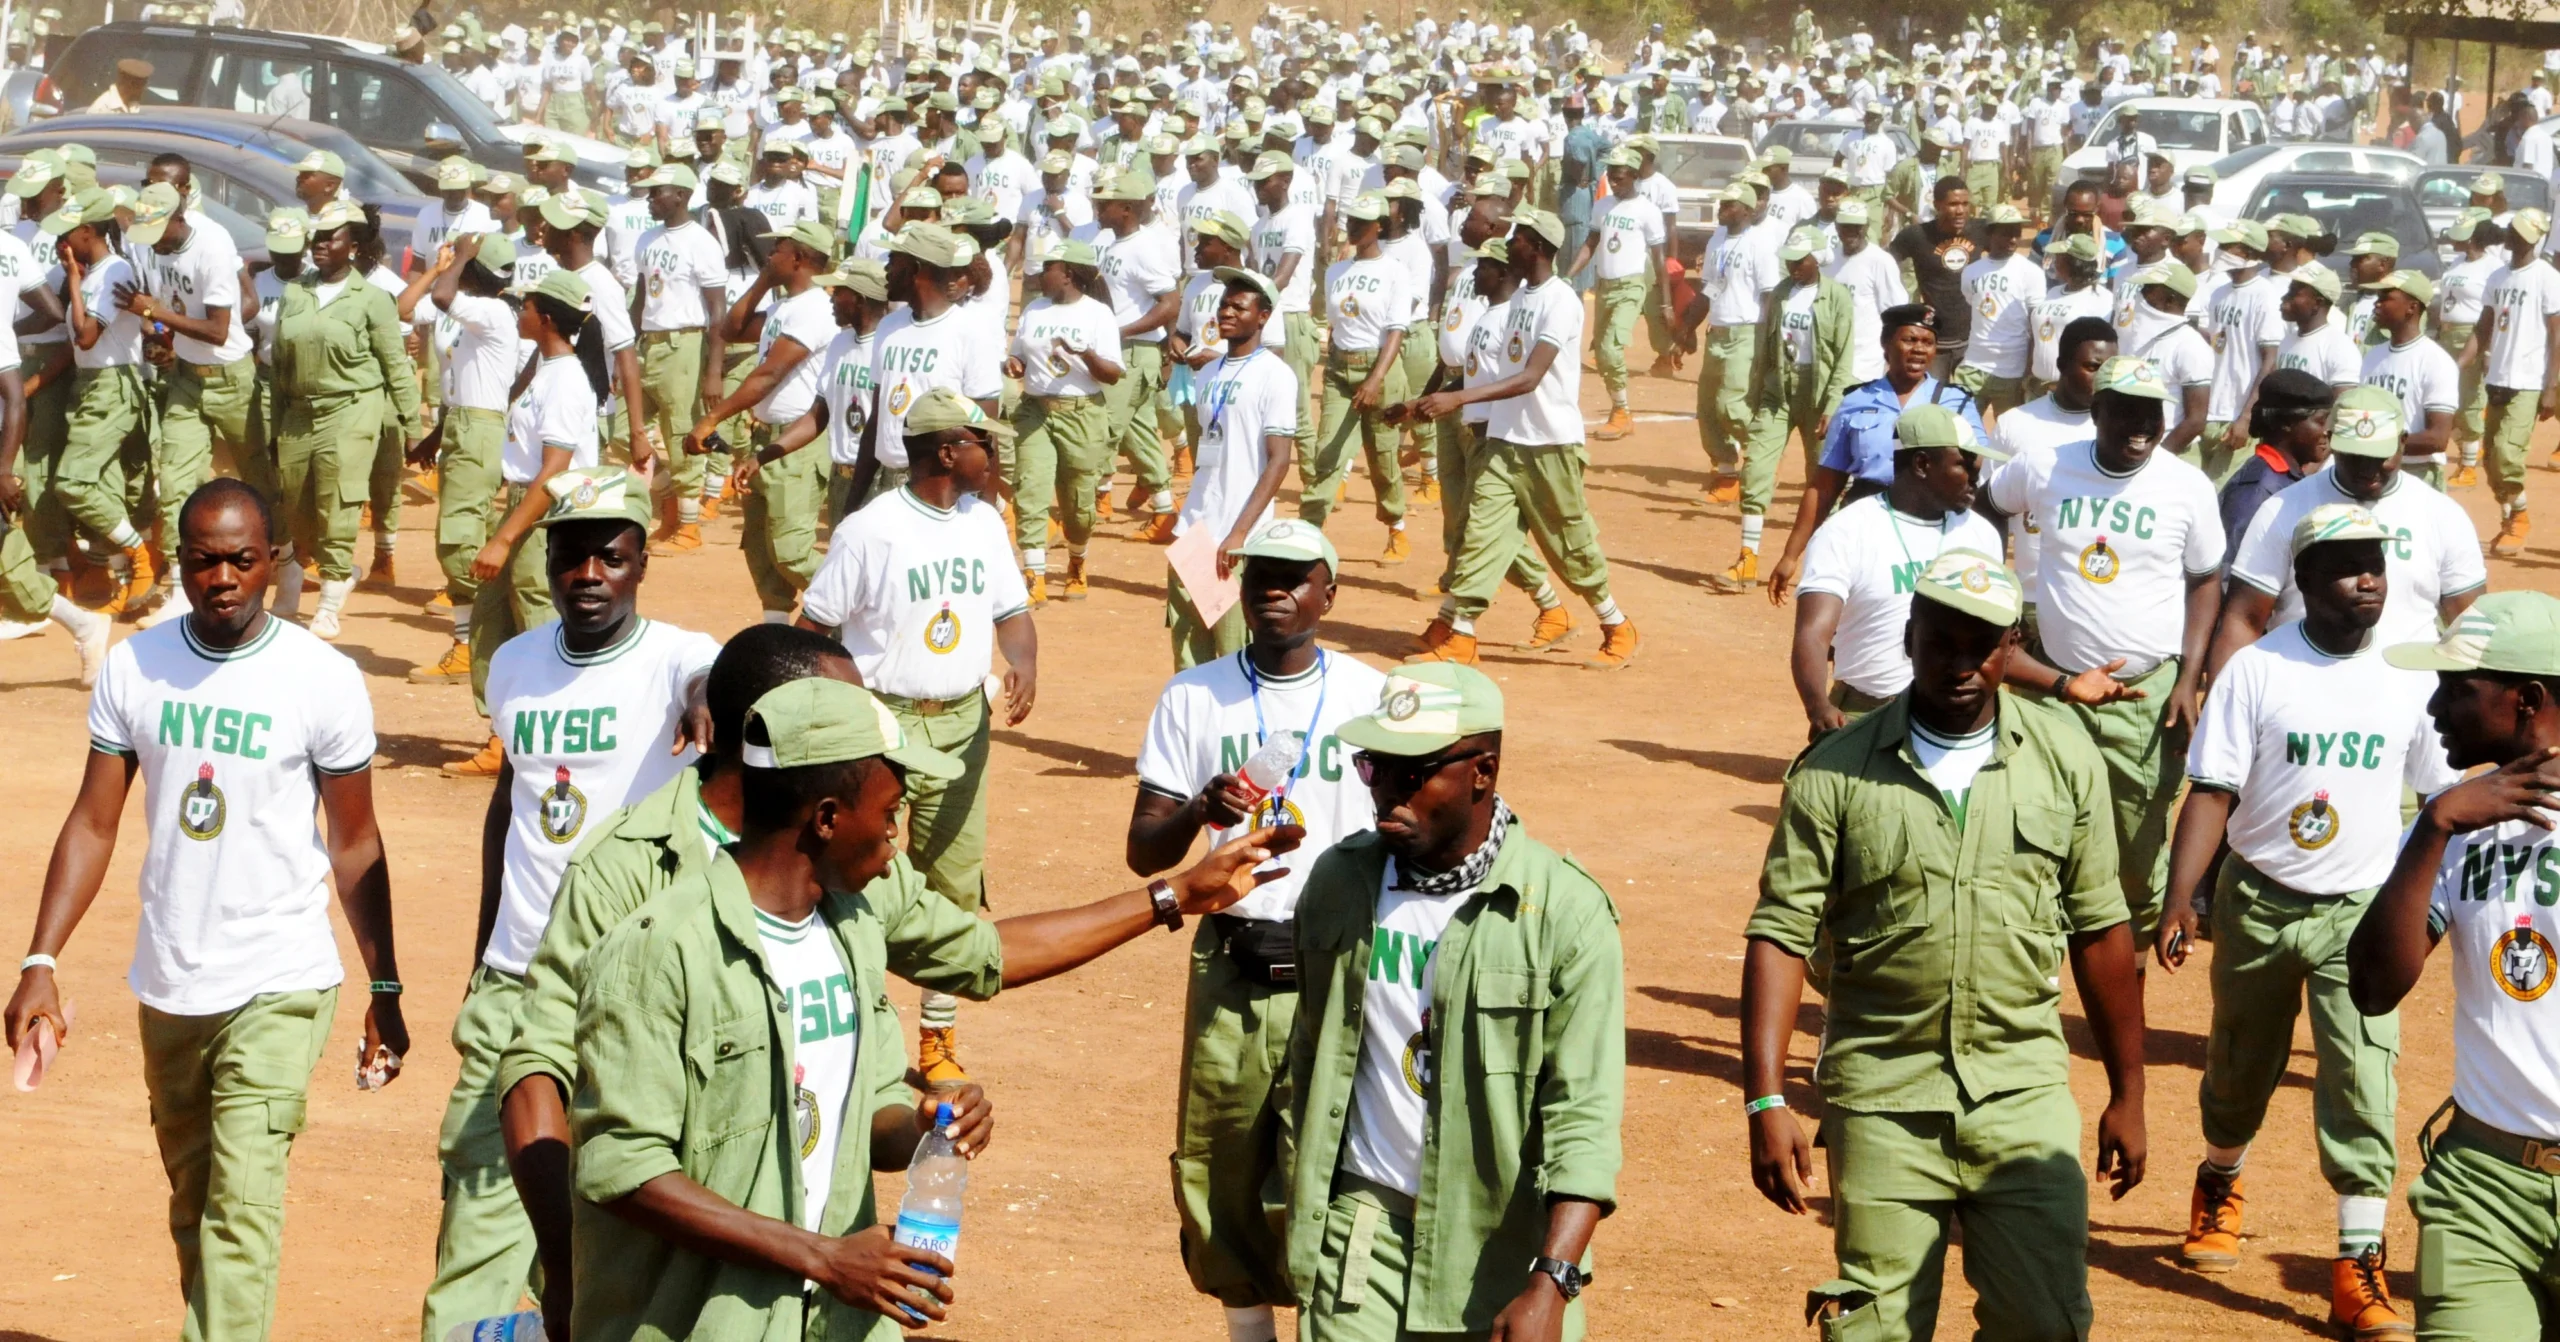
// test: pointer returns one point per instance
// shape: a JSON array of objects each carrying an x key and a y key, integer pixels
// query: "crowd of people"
[{"x": 2124, "y": 532}]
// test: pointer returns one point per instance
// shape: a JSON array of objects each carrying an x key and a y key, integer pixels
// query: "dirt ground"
[{"x": 1662, "y": 779}]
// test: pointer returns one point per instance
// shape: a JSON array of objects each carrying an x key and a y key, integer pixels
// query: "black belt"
[
  {"x": 2533, "y": 1153},
  {"x": 1264, "y": 952}
]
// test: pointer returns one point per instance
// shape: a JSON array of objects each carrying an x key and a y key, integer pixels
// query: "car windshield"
[
  {"x": 1811, "y": 139},
  {"x": 2450, "y": 189},
  {"x": 459, "y": 106},
  {"x": 2231, "y": 163},
  {"x": 2173, "y": 129},
  {"x": 1702, "y": 165},
  {"x": 2344, "y": 209}
]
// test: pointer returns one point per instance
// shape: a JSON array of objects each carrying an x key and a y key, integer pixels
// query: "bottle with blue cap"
[{"x": 929, "y": 1215}]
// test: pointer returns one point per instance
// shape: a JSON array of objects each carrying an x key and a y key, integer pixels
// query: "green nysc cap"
[
  {"x": 2516, "y": 632},
  {"x": 1934, "y": 426},
  {"x": 942, "y": 408},
  {"x": 2366, "y": 422},
  {"x": 2336, "y": 522},
  {"x": 288, "y": 232},
  {"x": 1425, "y": 708},
  {"x": 1975, "y": 584},
  {"x": 1291, "y": 541},
  {"x": 821, "y": 720},
  {"x": 603, "y": 494},
  {"x": 2131, "y": 375}
]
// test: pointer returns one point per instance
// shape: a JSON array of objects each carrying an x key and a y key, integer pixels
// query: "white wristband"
[{"x": 35, "y": 962}]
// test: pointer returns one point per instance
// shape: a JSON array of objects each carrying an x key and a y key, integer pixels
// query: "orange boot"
[
  {"x": 1553, "y": 624},
  {"x": 143, "y": 575},
  {"x": 1619, "y": 425},
  {"x": 1618, "y": 644},
  {"x": 1448, "y": 646},
  {"x": 2360, "y": 1304},
  {"x": 938, "y": 1057},
  {"x": 2213, "y": 1222},
  {"x": 2509, "y": 541},
  {"x": 1724, "y": 488},
  {"x": 483, "y": 765}
]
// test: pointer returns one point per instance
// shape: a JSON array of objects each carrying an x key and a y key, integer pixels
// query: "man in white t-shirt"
[
  {"x": 2475, "y": 871},
  {"x": 1533, "y": 462},
  {"x": 1284, "y": 249},
  {"x": 786, "y": 488},
  {"x": 2315, "y": 339},
  {"x": 2298, "y": 763},
  {"x": 1142, "y": 268},
  {"x": 2517, "y": 345},
  {"x": 2002, "y": 287},
  {"x": 927, "y": 342},
  {"x": 2044, "y": 425},
  {"x": 208, "y": 391},
  {"x": 235, "y": 964},
  {"x": 2129, "y": 547},
  {"x": 684, "y": 294},
  {"x": 920, "y": 584},
  {"x": 2417, "y": 370},
  {"x": 584, "y": 709},
  {"x": 1248, "y": 404},
  {"x": 2434, "y": 556},
  {"x": 2245, "y": 320},
  {"x": 1242, "y": 999},
  {"x": 1741, "y": 268},
  {"x": 1855, "y": 598}
]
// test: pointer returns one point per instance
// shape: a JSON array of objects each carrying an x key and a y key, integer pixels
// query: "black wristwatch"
[
  {"x": 1569, "y": 1279},
  {"x": 2061, "y": 685},
  {"x": 1168, "y": 908}
]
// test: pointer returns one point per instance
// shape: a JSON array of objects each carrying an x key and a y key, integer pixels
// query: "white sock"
[
  {"x": 124, "y": 537},
  {"x": 1618, "y": 399},
  {"x": 689, "y": 511},
  {"x": 67, "y": 613},
  {"x": 1449, "y": 610},
  {"x": 1160, "y": 502},
  {"x": 2359, "y": 1224},
  {"x": 2225, "y": 1159},
  {"x": 1751, "y": 523},
  {"x": 461, "y": 621},
  {"x": 1396, "y": 525},
  {"x": 777, "y": 617},
  {"x": 1608, "y": 611},
  {"x": 333, "y": 594},
  {"x": 1252, "y": 1324},
  {"x": 938, "y": 1011},
  {"x": 1036, "y": 559},
  {"x": 1546, "y": 596},
  {"x": 1460, "y": 624}
]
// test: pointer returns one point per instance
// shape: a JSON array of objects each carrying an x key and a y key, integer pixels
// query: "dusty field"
[{"x": 1663, "y": 779}]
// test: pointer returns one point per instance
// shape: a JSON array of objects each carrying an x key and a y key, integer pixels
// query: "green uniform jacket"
[
  {"x": 1905, "y": 191},
  {"x": 1833, "y": 310},
  {"x": 685, "y": 1064},
  {"x": 353, "y": 343},
  {"x": 1946, "y": 942},
  {"x": 1529, "y": 1074},
  {"x": 638, "y": 851}
]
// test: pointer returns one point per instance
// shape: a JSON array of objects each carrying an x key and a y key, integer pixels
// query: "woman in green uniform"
[{"x": 341, "y": 370}]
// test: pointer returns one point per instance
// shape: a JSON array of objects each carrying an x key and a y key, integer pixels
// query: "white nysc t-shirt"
[
  {"x": 1389, "y": 1094},
  {"x": 916, "y": 592},
  {"x": 1868, "y": 555},
  {"x": 2497, "y": 900},
  {"x": 1242, "y": 402}
]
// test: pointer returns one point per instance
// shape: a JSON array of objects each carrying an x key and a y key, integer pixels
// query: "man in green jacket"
[
  {"x": 642, "y": 849},
  {"x": 1466, "y": 1208},
  {"x": 713, "y": 1180},
  {"x": 1799, "y": 369},
  {"x": 1939, "y": 944}
]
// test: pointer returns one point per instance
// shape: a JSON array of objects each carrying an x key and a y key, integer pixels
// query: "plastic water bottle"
[
  {"x": 1271, "y": 766},
  {"x": 929, "y": 1215},
  {"x": 523, "y": 1327}
]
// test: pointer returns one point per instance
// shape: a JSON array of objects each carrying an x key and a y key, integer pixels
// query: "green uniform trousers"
[
  {"x": 1786, "y": 408},
  {"x": 2008, "y": 1168},
  {"x": 1060, "y": 449},
  {"x": 1999, "y": 395},
  {"x": 228, "y": 1094},
  {"x": 26, "y": 590},
  {"x": 202, "y": 405},
  {"x": 1724, "y": 394},
  {"x": 2206, "y": 453},
  {"x": 947, "y": 818},
  {"x": 841, "y": 502},
  {"x": 1982, "y": 179},
  {"x": 1304, "y": 354},
  {"x": 1360, "y": 1287},
  {"x": 485, "y": 1261},
  {"x": 1541, "y": 486},
  {"x": 1131, "y": 402},
  {"x": 2507, "y": 430},
  {"x": 1621, "y": 302},
  {"x": 1227, "y": 1183},
  {"x": 2044, "y": 168},
  {"x": 2272, "y": 948},
  {"x": 95, "y": 474},
  {"x": 467, "y": 485},
  {"x": 566, "y": 112},
  {"x": 48, "y": 519},
  {"x": 671, "y": 393},
  {"x": 1194, "y": 640},
  {"x": 390, "y": 465},
  {"x": 2488, "y": 1246},
  {"x": 780, "y": 521},
  {"x": 1460, "y": 446},
  {"x": 2467, "y": 421},
  {"x": 324, "y": 452},
  {"x": 1853, "y": 703},
  {"x": 736, "y": 361},
  {"x": 521, "y": 601},
  {"x": 1330, "y": 466},
  {"x": 2144, "y": 773}
]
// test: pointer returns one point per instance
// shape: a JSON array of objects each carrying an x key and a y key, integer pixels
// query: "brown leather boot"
[
  {"x": 2213, "y": 1222},
  {"x": 2359, "y": 1302}
]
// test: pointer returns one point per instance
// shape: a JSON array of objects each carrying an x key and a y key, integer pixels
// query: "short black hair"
[
  {"x": 2080, "y": 332},
  {"x": 756, "y": 661},
  {"x": 1938, "y": 190},
  {"x": 223, "y": 491}
]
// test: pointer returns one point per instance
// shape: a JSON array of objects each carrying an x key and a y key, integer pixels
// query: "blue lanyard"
[
  {"x": 1221, "y": 391},
  {"x": 1262, "y": 733}
]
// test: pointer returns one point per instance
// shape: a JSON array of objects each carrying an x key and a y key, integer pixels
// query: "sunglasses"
[{"x": 1399, "y": 773}]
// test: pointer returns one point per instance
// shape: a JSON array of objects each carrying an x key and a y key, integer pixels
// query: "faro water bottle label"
[{"x": 917, "y": 1233}]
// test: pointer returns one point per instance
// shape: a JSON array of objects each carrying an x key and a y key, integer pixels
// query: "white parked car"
[
  {"x": 1699, "y": 167},
  {"x": 2240, "y": 173},
  {"x": 2189, "y": 130}
]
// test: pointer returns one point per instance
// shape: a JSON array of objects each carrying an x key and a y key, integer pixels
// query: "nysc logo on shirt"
[
  {"x": 201, "y": 808},
  {"x": 2099, "y": 562},
  {"x": 564, "y": 808},
  {"x": 2314, "y": 823},
  {"x": 2521, "y": 962}
]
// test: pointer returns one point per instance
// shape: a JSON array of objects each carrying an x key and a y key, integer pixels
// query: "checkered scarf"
[{"x": 1468, "y": 874}]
